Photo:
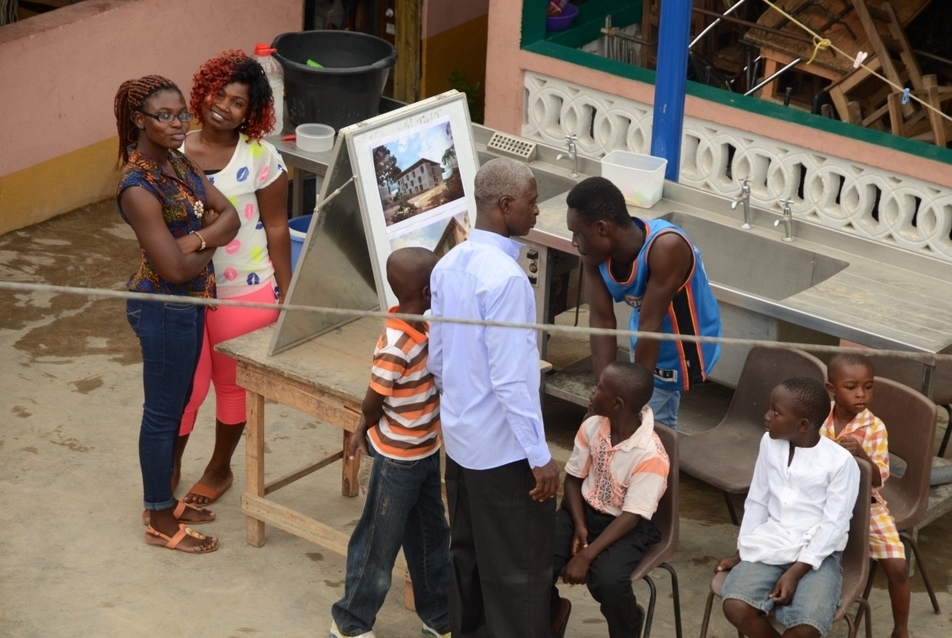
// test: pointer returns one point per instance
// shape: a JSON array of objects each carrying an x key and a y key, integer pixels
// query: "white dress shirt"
[
  {"x": 798, "y": 512},
  {"x": 489, "y": 377}
]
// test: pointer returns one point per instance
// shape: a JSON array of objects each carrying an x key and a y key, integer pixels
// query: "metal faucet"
[
  {"x": 745, "y": 200},
  {"x": 787, "y": 219},
  {"x": 572, "y": 154}
]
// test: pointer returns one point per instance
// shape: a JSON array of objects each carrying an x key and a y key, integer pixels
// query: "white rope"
[{"x": 921, "y": 357}]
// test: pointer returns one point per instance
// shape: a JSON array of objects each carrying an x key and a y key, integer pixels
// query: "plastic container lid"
[{"x": 263, "y": 49}]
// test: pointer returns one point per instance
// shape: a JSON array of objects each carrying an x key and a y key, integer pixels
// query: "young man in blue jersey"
[{"x": 651, "y": 265}]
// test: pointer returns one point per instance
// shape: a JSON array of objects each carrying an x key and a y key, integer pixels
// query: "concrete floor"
[{"x": 72, "y": 557}]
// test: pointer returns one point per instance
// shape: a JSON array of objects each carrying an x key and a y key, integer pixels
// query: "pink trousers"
[{"x": 221, "y": 324}]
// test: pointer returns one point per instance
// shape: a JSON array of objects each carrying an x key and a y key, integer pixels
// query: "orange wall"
[
  {"x": 506, "y": 64},
  {"x": 459, "y": 48},
  {"x": 59, "y": 73}
]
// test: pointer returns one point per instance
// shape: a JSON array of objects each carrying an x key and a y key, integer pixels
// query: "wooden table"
[
  {"x": 778, "y": 51},
  {"x": 325, "y": 378}
]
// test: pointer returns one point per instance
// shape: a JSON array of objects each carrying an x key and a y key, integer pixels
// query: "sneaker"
[
  {"x": 429, "y": 632},
  {"x": 337, "y": 633}
]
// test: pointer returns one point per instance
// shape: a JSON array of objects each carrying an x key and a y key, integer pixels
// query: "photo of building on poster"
[{"x": 420, "y": 188}]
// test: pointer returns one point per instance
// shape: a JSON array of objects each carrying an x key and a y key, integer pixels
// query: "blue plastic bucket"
[{"x": 298, "y": 227}]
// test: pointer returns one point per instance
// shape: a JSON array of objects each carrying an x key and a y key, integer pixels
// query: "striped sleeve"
[
  {"x": 580, "y": 463},
  {"x": 389, "y": 366}
]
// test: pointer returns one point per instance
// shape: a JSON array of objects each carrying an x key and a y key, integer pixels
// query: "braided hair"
[
  {"x": 234, "y": 66},
  {"x": 130, "y": 97}
]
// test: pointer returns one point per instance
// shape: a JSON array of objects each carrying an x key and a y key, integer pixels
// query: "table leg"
[
  {"x": 254, "y": 462},
  {"x": 297, "y": 193},
  {"x": 348, "y": 484}
]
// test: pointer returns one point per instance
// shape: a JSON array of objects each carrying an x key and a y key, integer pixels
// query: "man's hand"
[
  {"x": 728, "y": 563},
  {"x": 576, "y": 570},
  {"x": 358, "y": 440},
  {"x": 547, "y": 481},
  {"x": 579, "y": 540}
]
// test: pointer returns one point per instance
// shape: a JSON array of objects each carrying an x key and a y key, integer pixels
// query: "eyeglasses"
[{"x": 165, "y": 117}]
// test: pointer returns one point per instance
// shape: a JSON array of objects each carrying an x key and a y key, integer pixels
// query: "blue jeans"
[
  {"x": 404, "y": 507},
  {"x": 170, "y": 335},
  {"x": 665, "y": 403}
]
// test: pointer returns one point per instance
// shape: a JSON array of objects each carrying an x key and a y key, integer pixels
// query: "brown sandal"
[
  {"x": 154, "y": 537},
  {"x": 180, "y": 508}
]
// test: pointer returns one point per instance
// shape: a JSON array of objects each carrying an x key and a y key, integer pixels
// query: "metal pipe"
[
  {"x": 670, "y": 85},
  {"x": 615, "y": 32},
  {"x": 706, "y": 29},
  {"x": 774, "y": 76},
  {"x": 754, "y": 25}
]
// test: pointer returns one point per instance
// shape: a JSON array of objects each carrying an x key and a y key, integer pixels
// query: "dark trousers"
[
  {"x": 609, "y": 577},
  {"x": 500, "y": 553}
]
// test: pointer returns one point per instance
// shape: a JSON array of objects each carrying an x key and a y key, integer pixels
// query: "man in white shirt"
[
  {"x": 500, "y": 477},
  {"x": 796, "y": 521}
]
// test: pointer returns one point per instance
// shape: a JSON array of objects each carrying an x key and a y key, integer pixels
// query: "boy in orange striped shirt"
[
  {"x": 401, "y": 419},
  {"x": 614, "y": 480}
]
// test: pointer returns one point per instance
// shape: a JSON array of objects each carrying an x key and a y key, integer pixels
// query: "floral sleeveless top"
[{"x": 178, "y": 196}]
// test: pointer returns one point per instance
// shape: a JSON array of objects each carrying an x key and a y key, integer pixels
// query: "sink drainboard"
[{"x": 513, "y": 146}]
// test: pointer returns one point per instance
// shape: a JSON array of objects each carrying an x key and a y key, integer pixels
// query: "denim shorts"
[{"x": 814, "y": 603}]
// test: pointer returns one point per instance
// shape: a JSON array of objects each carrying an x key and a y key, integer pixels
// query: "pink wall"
[
  {"x": 59, "y": 72},
  {"x": 441, "y": 15},
  {"x": 506, "y": 64}
]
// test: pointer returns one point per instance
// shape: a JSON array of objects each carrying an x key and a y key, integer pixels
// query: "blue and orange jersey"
[{"x": 693, "y": 311}]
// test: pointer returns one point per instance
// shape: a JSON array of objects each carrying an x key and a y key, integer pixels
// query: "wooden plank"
[
  {"x": 305, "y": 527},
  {"x": 409, "y": 41},
  {"x": 349, "y": 485},
  {"x": 254, "y": 462},
  {"x": 287, "y": 479},
  {"x": 309, "y": 400}
]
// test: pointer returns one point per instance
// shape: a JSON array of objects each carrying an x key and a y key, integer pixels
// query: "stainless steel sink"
[
  {"x": 753, "y": 263},
  {"x": 549, "y": 184}
]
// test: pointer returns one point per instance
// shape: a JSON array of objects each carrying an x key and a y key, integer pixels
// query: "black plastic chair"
[
  {"x": 724, "y": 456},
  {"x": 667, "y": 520}
]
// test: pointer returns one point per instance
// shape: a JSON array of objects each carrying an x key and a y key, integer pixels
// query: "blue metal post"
[{"x": 673, "y": 38}]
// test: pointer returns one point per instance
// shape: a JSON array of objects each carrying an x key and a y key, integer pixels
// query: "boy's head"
[
  {"x": 797, "y": 407},
  {"x": 408, "y": 273},
  {"x": 849, "y": 380},
  {"x": 623, "y": 387}
]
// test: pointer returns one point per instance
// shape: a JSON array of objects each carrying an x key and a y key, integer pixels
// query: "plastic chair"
[
  {"x": 910, "y": 421},
  {"x": 855, "y": 565},
  {"x": 724, "y": 456},
  {"x": 909, "y": 373},
  {"x": 667, "y": 520}
]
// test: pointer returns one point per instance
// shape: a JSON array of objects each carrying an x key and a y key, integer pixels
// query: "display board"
[
  {"x": 415, "y": 168},
  {"x": 334, "y": 269},
  {"x": 402, "y": 178}
]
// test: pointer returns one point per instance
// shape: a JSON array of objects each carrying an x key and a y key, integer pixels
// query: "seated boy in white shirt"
[
  {"x": 796, "y": 521},
  {"x": 614, "y": 479}
]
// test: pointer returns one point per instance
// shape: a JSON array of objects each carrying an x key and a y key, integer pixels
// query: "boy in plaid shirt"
[{"x": 853, "y": 426}]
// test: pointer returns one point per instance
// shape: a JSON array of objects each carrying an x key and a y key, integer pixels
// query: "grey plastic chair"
[
  {"x": 667, "y": 520},
  {"x": 724, "y": 456},
  {"x": 855, "y": 565},
  {"x": 909, "y": 373},
  {"x": 910, "y": 422}
]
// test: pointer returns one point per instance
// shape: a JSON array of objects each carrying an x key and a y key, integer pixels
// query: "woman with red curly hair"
[{"x": 232, "y": 100}]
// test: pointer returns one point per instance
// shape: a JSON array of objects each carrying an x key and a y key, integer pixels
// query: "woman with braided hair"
[
  {"x": 232, "y": 100},
  {"x": 179, "y": 220}
]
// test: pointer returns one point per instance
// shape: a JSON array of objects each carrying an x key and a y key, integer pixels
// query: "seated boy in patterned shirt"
[
  {"x": 854, "y": 427},
  {"x": 614, "y": 480}
]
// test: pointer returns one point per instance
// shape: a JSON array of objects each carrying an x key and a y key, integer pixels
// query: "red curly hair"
[{"x": 234, "y": 66}]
